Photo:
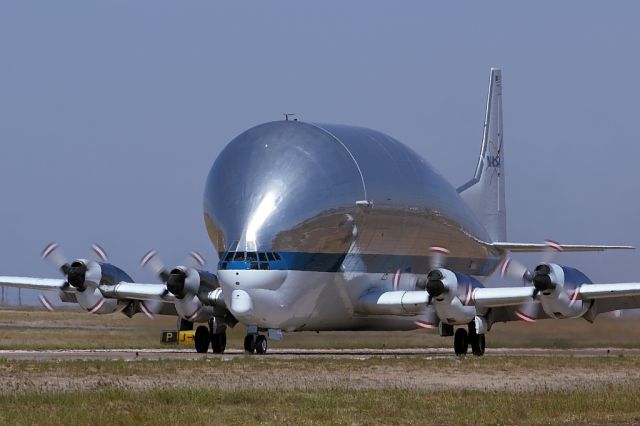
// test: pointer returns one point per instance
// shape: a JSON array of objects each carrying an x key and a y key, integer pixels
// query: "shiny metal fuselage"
[{"x": 346, "y": 209}]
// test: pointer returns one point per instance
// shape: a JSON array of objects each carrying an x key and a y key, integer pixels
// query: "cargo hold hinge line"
[{"x": 364, "y": 187}]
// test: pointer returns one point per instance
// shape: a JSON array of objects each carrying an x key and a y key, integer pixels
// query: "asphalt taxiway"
[{"x": 186, "y": 354}]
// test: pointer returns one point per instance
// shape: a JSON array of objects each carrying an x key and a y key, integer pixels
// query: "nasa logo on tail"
[{"x": 493, "y": 161}]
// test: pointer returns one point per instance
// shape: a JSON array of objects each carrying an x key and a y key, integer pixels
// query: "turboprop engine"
[
  {"x": 450, "y": 293},
  {"x": 86, "y": 276},
  {"x": 192, "y": 287},
  {"x": 198, "y": 295},
  {"x": 558, "y": 290}
]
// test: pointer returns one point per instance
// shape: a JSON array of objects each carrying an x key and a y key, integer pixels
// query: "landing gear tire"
[
  {"x": 201, "y": 339},
  {"x": 461, "y": 341},
  {"x": 250, "y": 343},
  {"x": 261, "y": 345},
  {"x": 218, "y": 342},
  {"x": 477, "y": 344}
]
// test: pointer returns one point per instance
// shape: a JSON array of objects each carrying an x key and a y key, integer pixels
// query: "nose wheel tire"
[
  {"x": 255, "y": 343},
  {"x": 461, "y": 341},
  {"x": 218, "y": 342},
  {"x": 250, "y": 343},
  {"x": 261, "y": 345},
  {"x": 201, "y": 339}
]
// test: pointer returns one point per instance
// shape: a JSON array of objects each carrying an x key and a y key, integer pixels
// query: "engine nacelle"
[
  {"x": 558, "y": 290},
  {"x": 450, "y": 294},
  {"x": 191, "y": 288},
  {"x": 86, "y": 275}
]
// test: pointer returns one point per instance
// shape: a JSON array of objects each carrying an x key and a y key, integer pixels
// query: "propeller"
[
  {"x": 52, "y": 253},
  {"x": 82, "y": 274},
  {"x": 175, "y": 279},
  {"x": 511, "y": 268},
  {"x": 552, "y": 248},
  {"x": 154, "y": 264},
  {"x": 428, "y": 319},
  {"x": 438, "y": 257},
  {"x": 100, "y": 253},
  {"x": 46, "y": 302},
  {"x": 150, "y": 307}
]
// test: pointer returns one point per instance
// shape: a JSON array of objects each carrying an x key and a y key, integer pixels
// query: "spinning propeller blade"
[{"x": 438, "y": 257}]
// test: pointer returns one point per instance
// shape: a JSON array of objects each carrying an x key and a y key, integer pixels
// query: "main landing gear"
[
  {"x": 462, "y": 339},
  {"x": 215, "y": 334}
]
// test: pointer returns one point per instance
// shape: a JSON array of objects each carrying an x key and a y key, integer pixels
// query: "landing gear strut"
[
  {"x": 217, "y": 330},
  {"x": 476, "y": 340}
]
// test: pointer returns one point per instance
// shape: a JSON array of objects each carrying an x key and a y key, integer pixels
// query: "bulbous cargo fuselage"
[{"x": 304, "y": 215}]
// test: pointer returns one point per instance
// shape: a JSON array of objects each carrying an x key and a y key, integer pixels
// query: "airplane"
[{"x": 322, "y": 227}]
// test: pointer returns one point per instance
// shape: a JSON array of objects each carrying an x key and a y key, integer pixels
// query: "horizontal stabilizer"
[{"x": 541, "y": 247}]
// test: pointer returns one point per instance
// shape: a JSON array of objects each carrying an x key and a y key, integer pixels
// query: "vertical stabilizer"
[{"x": 485, "y": 192}]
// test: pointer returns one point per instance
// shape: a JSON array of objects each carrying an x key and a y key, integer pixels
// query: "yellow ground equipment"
[{"x": 176, "y": 337}]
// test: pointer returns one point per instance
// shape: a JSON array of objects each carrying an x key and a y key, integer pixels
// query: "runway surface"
[{"x": 186, "y": 354}]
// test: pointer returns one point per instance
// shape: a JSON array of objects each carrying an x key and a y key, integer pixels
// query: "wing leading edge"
[
  {"x": 507, "y": 300},
  {"x": 542, "y": 247}
]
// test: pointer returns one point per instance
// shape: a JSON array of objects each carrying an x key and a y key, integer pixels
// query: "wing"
[
  {"x": 611, "y": 297},
  {"x": 101, "y": 299},
  {"x": 541, "y": 247},
  {"x": 504, "y": 303},
  {"x": 42, "y": 284},
  {"x": 120, "y": 291}
]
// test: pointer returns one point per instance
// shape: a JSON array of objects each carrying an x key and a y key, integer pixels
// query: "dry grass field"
[
  {"x": 66, "y": 329},
  {"x": 260, "y": 390},
  {"x": 362, "y": 390}
]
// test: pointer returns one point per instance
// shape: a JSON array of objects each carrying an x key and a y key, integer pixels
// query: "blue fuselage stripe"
[{"x": 369, "y": 263}]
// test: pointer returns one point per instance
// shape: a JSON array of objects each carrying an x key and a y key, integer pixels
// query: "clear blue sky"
[{"x": 111, "y": 113}]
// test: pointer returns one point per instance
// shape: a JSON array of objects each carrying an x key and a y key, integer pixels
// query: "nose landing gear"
[{"x": 255, "y": 343}]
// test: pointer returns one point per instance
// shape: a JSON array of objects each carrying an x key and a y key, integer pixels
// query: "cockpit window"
[
  {"x": 252, "y": 259},
  {"x": 252, "y": 256}
]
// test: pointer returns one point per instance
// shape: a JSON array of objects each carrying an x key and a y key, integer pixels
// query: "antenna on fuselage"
[{"x": 289, "y": 114}]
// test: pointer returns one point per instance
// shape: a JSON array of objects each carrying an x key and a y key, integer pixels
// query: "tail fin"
[{"x": 484, "y": 194}]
